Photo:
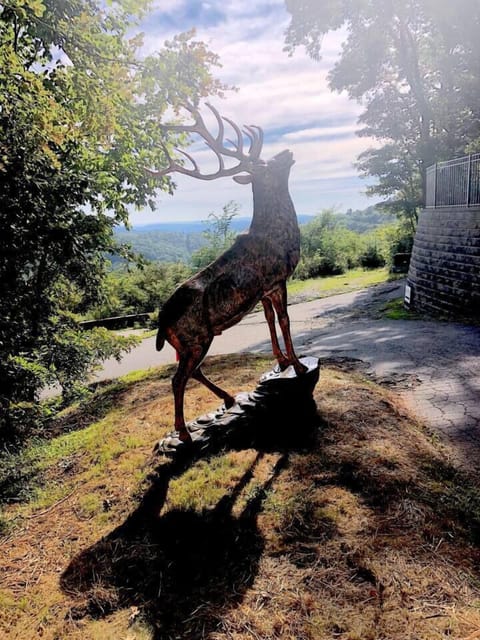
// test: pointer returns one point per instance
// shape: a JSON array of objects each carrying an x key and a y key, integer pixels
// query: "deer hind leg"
[
  {"x": 220, "y": 393},
  {"x": 279, "y": 300},
  {"x": 278, "y": 354},
  {"x": 189, "y": 361}
]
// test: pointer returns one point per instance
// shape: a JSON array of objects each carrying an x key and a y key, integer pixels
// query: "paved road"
[
  {"x": 252, "y": 333},
  {"x": 435, "y": 366}
]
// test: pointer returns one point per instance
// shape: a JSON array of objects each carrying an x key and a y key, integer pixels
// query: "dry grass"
[{"x": 368, "y": 534}]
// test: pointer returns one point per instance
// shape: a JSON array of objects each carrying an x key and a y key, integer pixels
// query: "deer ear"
[{"x": 243, "y": 179}]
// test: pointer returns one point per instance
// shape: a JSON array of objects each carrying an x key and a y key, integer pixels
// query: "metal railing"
[
  {"x": 117, "y": 322},
  {"x": 454, "y": 183}
]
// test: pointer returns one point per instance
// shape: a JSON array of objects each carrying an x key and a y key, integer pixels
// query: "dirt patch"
[{"x": 368, "y": 533}]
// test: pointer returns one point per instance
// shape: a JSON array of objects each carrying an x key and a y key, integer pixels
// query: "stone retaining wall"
[{"x": 444, "y": 272}]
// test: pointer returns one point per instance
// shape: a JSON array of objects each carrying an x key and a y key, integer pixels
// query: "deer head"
[{"x": 269, "y": 179}]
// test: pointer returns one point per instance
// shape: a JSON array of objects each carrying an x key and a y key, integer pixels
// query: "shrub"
[
  {"x": 76, "y": 354},
  {"x": 71, "y": 358},
  {"x": 372, "y": 258}
]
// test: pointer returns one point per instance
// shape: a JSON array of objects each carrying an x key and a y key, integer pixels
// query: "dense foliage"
[
  {"x": 79, "y": 114},
  {"x": 328, "y": 247},
  {"x": 142, "y": 289},
  {"x": 331, "y": 243},
  {"x": 414, "y": 66},
  {"x": 146, "y": 287}
]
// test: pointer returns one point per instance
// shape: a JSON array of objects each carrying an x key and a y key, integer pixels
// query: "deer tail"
[
  {"x": 165, "y": 318},
  {"x": 173, "y": 309},
  {"x": 162, "y": 325},
  {"x": 160, "y": 340}
]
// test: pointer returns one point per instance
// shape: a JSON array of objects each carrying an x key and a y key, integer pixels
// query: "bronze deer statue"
[{"x": 255, "y": 268}]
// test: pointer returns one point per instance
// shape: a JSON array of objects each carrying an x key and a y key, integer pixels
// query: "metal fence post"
[
  {"x": 469, "y": 178},
  {"x": 435, "y": 186}
]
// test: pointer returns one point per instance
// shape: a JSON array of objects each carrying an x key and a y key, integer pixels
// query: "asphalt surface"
[{"x": 433, "y": 366}]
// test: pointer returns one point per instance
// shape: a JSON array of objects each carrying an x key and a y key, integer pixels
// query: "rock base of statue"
[{"x": 280, "y": 412}]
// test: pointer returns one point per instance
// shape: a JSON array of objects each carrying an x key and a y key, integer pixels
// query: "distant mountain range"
[{"x": 194, "y": 226}]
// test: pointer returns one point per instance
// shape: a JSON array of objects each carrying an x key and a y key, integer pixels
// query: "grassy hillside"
[
  {"x": 313, "y": 288},
  {"x": 366, "y": 533}
]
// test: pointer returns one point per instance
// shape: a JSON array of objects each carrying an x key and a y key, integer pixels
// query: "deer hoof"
[
  {"x": 283, "y": 364},
  {"x": 300, "y": 369},
  {"x": 229, "y": 402},
  {"x": 184, "y": 435}
]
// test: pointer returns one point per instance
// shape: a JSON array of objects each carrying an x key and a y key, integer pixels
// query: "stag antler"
[{"x": 216, "y": 144}]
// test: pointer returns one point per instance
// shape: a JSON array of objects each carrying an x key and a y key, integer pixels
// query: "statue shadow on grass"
[{"x": 181, "y": 571}]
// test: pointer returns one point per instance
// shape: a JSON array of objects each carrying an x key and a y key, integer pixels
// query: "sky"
[{"x": 287, "y": 96}]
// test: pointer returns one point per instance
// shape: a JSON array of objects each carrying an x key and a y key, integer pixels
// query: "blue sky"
[{"x": 287, "y": 96}]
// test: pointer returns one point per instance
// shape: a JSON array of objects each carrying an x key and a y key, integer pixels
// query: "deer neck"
[{"x": 274, "y": 213}]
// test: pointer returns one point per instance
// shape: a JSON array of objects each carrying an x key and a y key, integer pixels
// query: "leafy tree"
[
  {"x": 372, "y": 257},
  {"x": 79, "y": 122},
  {"x": 75, "y": 355},
  {"x": 327, "y": 247},
  {"x": 219, "y": 235},
  {"x": 384, "y": 242},
  {"x": 397, "y": 175},
  {"x": 141, "y": 290},
  {"x": 414, "y": 67}
]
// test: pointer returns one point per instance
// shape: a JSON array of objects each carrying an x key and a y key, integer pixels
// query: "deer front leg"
[
  {"x": 270, "y": 317},
  {"x": 279, "y": 300}
]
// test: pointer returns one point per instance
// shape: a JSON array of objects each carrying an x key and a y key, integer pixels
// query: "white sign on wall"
[{"x": 408, "y": 294}]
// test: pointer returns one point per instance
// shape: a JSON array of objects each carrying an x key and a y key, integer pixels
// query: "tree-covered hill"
[
  {"x": 364, "y": 220},
  {"x": 161, "y": 246},
  {"x": 177, "y": 241}
]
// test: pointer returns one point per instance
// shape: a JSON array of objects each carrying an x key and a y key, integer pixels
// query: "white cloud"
[
  {"x": 168, "y": 6},
  {"x": 287, "y": 96},
  {"x": 319, "y": 132}
]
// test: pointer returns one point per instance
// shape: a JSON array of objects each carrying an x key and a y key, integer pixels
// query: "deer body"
[{"x": 255, "y": 268}]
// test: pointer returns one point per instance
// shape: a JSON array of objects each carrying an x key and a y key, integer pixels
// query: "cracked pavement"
[{"x": 433, "y": 366}]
